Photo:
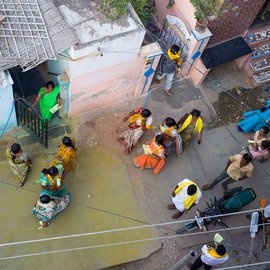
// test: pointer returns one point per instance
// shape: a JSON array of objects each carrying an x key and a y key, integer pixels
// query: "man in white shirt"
[
  {"x": 212, "y": 255},
  {"x": 185, "y": 195}
]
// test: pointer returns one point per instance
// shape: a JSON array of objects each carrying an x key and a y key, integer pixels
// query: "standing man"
[
  {"x": 238, "y": 168},
  {"x": 168, "y": 64},
  {"x": 184, "y": 197},
  {"x": 140, "y": 120},
  {"x": 212, "y": 255}
]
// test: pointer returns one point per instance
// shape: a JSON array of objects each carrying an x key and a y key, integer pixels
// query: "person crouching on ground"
[
  {"x": 260, "y": 151},
  {"x": 238, "y": 168},
  {"x": 185, "y": 196},
  {"x": 19, "y": 161},
  {"x": 212, "y": 255},
  {"x": 168, "y": 64},
  {"x": 168, "y": 130},
  {"x": 154, "y": 155},
  {"x": 140, "y": 120},
  {"x": 66, "y": 155}
]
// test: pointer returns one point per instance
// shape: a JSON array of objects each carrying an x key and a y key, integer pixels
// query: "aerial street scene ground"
[{"x": 135, "y": 134}]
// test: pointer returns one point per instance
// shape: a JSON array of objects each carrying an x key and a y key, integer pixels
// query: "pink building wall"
[
  {"x": 182, "y": 9},
  {"x": 110, "y": 85}
]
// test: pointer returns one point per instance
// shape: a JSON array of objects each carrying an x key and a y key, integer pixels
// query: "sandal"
[
  {"x": 171, "y": 207},
  {"x": 177, "y": 215},
  {"x": 168, "y": 92},
  {"x": 206, "y": 187}
]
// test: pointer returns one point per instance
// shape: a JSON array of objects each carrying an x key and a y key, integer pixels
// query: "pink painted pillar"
[{"x": 196, "y": 70}]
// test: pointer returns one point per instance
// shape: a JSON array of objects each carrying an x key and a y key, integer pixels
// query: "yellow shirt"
[{"x": 234, "y": 170}]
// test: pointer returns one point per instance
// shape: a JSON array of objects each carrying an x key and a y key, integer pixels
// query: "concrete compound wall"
[
  {"x": 109, "y": 85},
  {"x": 98, "y": 80}
]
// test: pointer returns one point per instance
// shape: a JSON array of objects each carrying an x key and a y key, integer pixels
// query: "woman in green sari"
[
  {"x": 52, "y": 181},
  {"x": 48, "y": 97}
]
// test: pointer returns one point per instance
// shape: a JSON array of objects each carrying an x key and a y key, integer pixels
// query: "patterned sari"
[
  {"x": 47, "y": 212},
  {"x": 18, "y": 165}
]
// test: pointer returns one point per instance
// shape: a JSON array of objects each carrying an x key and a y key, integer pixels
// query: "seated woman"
[
  {"x": 190, "y": 124},
  {"x": 258, "y": 137},
  {"x": 168, "y": 130},
  {"x": 52, "y": 181},
  {"x": 48, "y": 97},
  {"x": 255, "y": 120},
  {"x": 154, "y": 156},
  {"x": 47, "y": 208},
  {"x": 66, "y": 155},
  {"x": 260, "y": 151},
  {"x": 19, "y": 161}
]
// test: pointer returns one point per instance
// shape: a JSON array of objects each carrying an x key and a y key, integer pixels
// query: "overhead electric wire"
[
  {"x": 156, "y": 39},
  {"x": 121, "y": 243},
  {"x": 122, "y": 229}
]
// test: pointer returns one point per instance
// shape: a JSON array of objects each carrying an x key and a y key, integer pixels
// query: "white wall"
[
  {"x": 6, "y": 101},
  {"x": 115, "y": 51}
]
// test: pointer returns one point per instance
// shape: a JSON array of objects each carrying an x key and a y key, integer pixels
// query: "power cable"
[
  {"x": 119, "y": 243},
  {"x": 243, "y": 265},
  {"x": 122, "y": 229},
  {"x": 156, "y": 39}
]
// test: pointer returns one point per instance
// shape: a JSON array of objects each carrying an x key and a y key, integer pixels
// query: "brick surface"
[{"x": 234, "y": 19}]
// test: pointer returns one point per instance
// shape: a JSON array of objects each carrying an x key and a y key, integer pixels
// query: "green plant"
[
  {"x": 199, "y": 15},
  {"x": 204, "y": 8},
  {"x": 115, "y": 9}
]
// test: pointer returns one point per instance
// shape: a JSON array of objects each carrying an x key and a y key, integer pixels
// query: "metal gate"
[
  {"x": 31, "y": 121},
  {"x": 174, "y": 31}
]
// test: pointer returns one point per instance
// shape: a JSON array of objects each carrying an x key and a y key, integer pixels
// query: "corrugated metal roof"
[{"x": 32, "y": 32}]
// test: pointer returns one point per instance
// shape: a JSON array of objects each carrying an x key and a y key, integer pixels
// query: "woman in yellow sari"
[
  {"x": 168, "y": 130},
  {"x": 190, "y": 124},
  {"x": 154, "y": 156},
  {"x": 66, "y": 155}
]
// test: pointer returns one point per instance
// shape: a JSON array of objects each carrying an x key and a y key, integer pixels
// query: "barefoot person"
[
  {"x": 139, "y": 121},
  {"x": 66, "y": 155},
  {"x": 184, "y": 197},
  {"x": 52, "y": 181},
  {"x": 47, "y": 208},
  {"x": 168, "y": 130},
  {"x": 189, "y": 125},
  {"x": 154, "y": 155},
  {"x": 19, "y": 161},
  {"x": 238, "y": 168}
]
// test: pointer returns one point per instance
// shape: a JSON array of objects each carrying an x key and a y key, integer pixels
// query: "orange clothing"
[{"x": 155, "y": 159}]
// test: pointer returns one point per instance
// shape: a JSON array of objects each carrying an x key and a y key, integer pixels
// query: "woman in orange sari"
[
  {"x": 154, "y": 155},
  {"x": 66, "y": 155}
]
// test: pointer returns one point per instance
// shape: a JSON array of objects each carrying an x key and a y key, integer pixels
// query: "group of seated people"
[
  {"x": 53, "y": 198},
  {"x": 170, "y": 133}
]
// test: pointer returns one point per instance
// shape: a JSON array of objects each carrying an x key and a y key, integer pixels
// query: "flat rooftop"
[{"x": 90, "y": 25}]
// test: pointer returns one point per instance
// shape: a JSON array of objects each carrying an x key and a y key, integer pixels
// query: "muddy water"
[{"x": 102, "y": 195}]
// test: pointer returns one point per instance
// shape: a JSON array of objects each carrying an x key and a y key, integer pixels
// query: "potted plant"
[
  {"x": 201, "y": 21},
  {"x": 204, "y": 9}
]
